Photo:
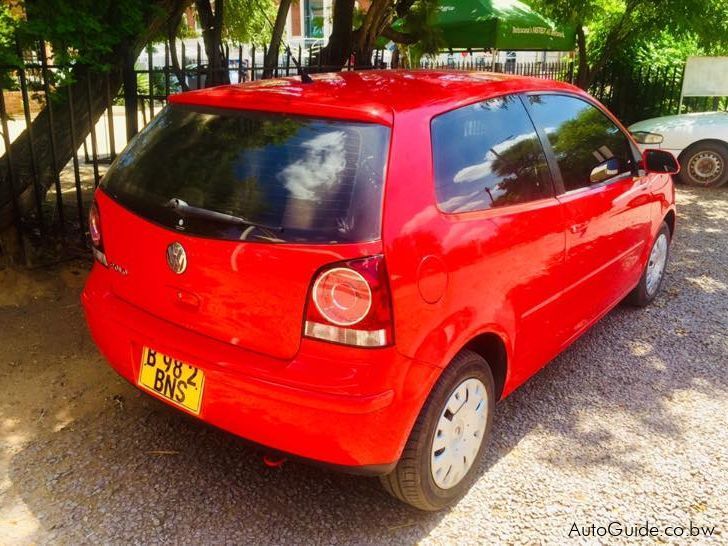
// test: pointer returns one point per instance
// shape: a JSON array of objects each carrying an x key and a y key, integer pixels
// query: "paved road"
[{"x": 628, "y": 425}]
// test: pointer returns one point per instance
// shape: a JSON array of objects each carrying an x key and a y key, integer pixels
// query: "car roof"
[{"x": 371, "y": 96}]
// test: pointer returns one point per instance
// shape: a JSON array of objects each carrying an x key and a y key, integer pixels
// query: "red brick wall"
[
  {"x": 14, "y": 104},
  {"x": 296, "y": 29}
]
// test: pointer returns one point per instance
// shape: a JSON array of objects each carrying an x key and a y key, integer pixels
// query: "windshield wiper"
[{"x": 186, "y": 210}]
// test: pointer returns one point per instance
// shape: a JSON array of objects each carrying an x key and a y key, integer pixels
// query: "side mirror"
[
  {"x": 604, "y": 171},
  {"x": 660, "y": 162}
]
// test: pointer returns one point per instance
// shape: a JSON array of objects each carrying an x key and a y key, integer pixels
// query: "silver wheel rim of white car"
[
  {"x": 705, "y": 167},
  {"x": 656, "y": 265},
  {"x": 459, "y": 433}
]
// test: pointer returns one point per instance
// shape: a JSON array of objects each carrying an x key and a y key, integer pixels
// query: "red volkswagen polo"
[{"x": 354, "y": 270}]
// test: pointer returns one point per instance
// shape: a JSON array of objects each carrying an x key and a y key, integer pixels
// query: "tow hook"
[{"x": 273, "y": 461}]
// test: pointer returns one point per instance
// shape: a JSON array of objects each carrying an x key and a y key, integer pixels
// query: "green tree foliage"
[
  {"x": 611, "y": 30},
  {"x": 248, "y": 21},
  {"x": 667, "y": 50},
  {"x": 422, "y": 37},
  {"x": 85, "y": 31},
  {"x": 8, "y": 25}
]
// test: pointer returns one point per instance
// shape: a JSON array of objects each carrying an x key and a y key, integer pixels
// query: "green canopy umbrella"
[{"x": 500, "y": 24}]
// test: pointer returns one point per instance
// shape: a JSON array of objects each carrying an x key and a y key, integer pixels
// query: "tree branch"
[
  {"x": 172, "y": 28},
  {"x": 270, "y": 62},
  {"x": 398, "y": 37}
]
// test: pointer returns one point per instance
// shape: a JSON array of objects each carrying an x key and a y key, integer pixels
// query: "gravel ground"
[{"x": 629, "y": 425}]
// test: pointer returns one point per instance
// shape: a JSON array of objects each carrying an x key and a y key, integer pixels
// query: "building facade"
[{"x": 309, "y": 21}]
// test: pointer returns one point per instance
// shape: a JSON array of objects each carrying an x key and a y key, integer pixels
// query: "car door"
[{"x": 605, "y": 201}]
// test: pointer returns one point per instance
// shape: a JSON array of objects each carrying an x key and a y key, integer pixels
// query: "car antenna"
[{"x": 305, "y": 76}]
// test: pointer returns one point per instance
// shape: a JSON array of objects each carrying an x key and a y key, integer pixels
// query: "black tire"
[
  {"x": 689, "y": 160},
  {"x": 411, "y": 480},
  {"x": 641, "y": 296}
]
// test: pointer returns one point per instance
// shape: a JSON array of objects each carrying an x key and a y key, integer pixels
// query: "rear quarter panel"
[
  {"x": 415, "y": 239},
  {"x": 446, "y": 256}
]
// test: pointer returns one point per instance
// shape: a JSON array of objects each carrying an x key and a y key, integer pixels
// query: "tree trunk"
[
  {"x": 270, "y": 62},
  {"x": 337, "y": 52},
  {"x": 377, "y": 19},
  {"x": 85, "y": 112},
  {"x": 582, "y": 74},
  {"x": 178, "y": 70},
  {"x": 217, "y": 73},
  {"x": 588, "y": 72}
]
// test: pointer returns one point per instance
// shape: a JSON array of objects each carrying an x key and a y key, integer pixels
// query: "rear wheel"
[
  {"x": 654, "y": 272},
  {"x": 705, "y": 164},
  {"x": 440, "y": 459}
]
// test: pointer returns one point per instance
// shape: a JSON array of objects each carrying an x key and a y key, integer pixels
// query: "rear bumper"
[{"x": 351, "y": 408}]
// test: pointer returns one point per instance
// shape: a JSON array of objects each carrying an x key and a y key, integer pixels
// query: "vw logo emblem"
[{"x": 177, "y": 258}]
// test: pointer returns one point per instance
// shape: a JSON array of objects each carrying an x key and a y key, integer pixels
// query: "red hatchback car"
[{"x": 354, "y": 270}]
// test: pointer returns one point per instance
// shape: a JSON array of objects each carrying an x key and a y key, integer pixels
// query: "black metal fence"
[
  {"x": 636, "y": 94},
  {"x": 59, "y": 134}
]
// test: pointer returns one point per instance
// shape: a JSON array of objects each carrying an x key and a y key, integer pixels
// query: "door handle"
[{"x": 579, "y": 228}]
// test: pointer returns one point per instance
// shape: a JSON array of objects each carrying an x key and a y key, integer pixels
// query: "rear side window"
[
  {"x": 294, "y": 179},
  {"x": 488, "y": 155},
  {"x": 589, "y": 148}
]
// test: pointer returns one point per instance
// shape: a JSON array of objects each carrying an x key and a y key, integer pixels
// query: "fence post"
[
  {"x": 183, "y": 66},
  {"x": 252, "y": 63},
  {"x": 110, "y": 110},
  {"x": 52, "y": 134},
  {"x": 166, "y": 71},
  {"x": 11, "y": 176},
  {"x": 199, "y": 67},
  {"x": 130, "y": 98},
  {"x": 76, "y": 173},
  {"x": 150, "y": 72},
  {"x": 92, "y": 130},
  {"x": 571, "y": 71},
  {"x": 240, "y": 63},
  {"x": 35, "y": 171}
]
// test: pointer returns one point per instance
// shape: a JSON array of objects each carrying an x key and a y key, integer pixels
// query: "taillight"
[
  {"x": 342, "y": 296},
  {"x": 350, "y": 303},
  {"x": 94, "y": 225},
  {"x": 94, "y": 229}
]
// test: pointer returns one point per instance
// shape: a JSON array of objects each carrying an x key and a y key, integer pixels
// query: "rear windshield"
[{"x": 274, "y": 178}]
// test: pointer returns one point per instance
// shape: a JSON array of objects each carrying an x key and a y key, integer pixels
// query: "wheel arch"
[
  {"x": 695, "y": 144},
  {"x": 492, "y": 348},
  {"x": 669, "y": 219}
]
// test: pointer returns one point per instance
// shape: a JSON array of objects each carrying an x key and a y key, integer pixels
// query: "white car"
[{"x": 699, "y": 141}]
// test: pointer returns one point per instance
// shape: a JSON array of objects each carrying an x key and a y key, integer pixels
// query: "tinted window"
[
  {"x": 589, "y": 148},
  {"x": 488, "y": 155},
  {"x": 320, "y": 181}
]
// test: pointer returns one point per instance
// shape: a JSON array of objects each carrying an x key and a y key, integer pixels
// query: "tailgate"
[{"x": 248, "y": 294}]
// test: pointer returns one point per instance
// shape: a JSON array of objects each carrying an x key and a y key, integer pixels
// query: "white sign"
[{"x": 706, "y": 77}]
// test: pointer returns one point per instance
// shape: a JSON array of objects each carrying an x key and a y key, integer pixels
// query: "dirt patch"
[
  {"x": 50, "y": 373},
  {"x": 20, "y": 287}
]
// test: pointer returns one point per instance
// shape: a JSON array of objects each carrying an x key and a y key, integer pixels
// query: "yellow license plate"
[{"x": 172, "y": 379}]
